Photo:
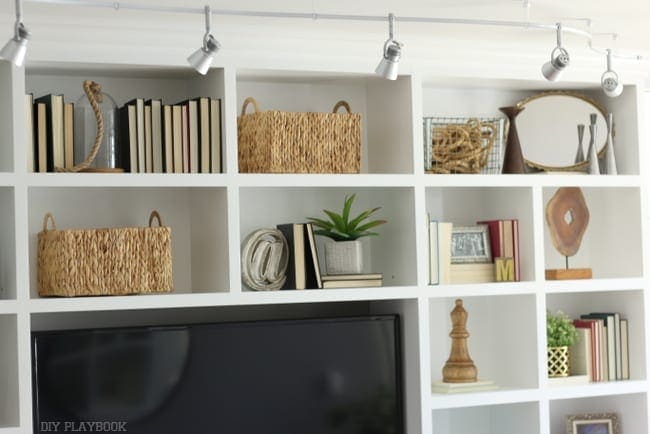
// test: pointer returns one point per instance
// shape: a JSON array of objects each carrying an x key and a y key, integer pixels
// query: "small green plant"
[
  {"x": 560, "y": 331},
  {"x": 340, "y": 227}
]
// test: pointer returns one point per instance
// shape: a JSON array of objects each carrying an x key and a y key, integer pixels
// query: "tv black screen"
[{"x": 336, "y": 375}]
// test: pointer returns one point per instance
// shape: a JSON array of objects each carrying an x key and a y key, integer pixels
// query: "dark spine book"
[
  {"x": 49, "y": 158},
  {"x": 123, "y": 155},
  {"x": 312, "y": 269},
  {"x": 287, "y": 231}
]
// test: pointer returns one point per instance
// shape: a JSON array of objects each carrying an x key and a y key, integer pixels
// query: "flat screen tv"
[{"x": 312, "y": 376}]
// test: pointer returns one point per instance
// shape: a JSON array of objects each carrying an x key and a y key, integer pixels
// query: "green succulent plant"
[
  {"x": 560, "y": 331},
  {"x": 340, "y": 227}
]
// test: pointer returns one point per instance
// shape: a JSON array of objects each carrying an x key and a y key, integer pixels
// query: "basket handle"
[
  {"x": 340, "y": 104},
  {"x": 155, "y": 215},
  {"x": 49, "y": 218},
  {"x": 249, "y": 100}
]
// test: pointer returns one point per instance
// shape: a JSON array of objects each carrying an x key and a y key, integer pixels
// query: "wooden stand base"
[
  {"x": 102, "y": 170},
  {"x": 568, "y": 274}
]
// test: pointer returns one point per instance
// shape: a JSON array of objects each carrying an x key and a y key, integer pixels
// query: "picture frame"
[
  {"x": 593, "y": 423},
  {"x": 470, "y": 245}
]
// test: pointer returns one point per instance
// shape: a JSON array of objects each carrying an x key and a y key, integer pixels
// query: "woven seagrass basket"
[
  {"x": 114, "y": 261},
  {"x": 274, "y": 141}
]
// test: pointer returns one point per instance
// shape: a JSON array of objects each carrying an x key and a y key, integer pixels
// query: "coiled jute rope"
[
  {"x": 93, "y": 92},
  {"x": 462, "y": 148}
]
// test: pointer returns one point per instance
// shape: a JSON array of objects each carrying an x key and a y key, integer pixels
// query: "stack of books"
[
  {"x": 49, "y": 123},
  {"x": 152, "y": 137},
  {"x": 303, "y": 270},
  {"x": 601, "y": 351}
]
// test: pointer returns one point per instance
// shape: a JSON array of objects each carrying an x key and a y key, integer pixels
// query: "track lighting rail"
[
  {"x": 118, "y": 5},
  {"x": 201, "y": 59}
]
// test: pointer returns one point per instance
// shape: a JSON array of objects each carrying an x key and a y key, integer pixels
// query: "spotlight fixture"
[
  {"x": 201, "y": 59},
  {"x": 389, "y": 63},
  {"x": 609, "y": 81},
  {"x": 552, "y": 70},
  {"x": 16, "y": 48}
]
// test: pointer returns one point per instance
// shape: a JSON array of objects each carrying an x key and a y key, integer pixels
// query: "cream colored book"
[
  {"x": 472, "y": 273},
  {"x": 476, "y": 386},
  {"x": 357, "y": 283},
  {"x": 68, "y": 135},
  {"x": 29, "y": 132},
  {"x": 148, "y": 147},
  {"x": 571, "y": 380},
  {"x": 177, "y": 137},
  {"x": 580, "y": 353},
  {"x": 444, "y": 252}
]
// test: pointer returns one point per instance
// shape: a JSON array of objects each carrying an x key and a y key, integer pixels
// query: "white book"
[
  {"x": 434, "y": 258},
  {"x": 580, "y": 353},
  {"x": 476, "y": 386},
  {"x": 444, "y": 252},
  {"x": 29, "y": 132},
  {"x": 156, "y": 135},
  {"x": 215, "y": 135}
]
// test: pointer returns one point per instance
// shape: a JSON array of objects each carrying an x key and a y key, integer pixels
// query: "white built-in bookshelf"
[{"x": 210, "y": 215}]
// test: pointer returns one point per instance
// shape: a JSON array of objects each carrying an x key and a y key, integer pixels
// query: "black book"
[
  {"x": 312, "y": 269},
  {"x": 294, "y": 233},
  {"x": 122, "y": 152},
  {"x": 54, "y": 133}
]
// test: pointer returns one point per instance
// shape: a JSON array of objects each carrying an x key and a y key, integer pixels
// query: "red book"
[
  {"x": 495, "y": 229},
  {"x": 504, "y": 240},
  {"x": 596, "y": 368}
]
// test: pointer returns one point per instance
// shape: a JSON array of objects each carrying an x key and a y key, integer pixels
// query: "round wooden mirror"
[{"x": 548, "y": 129}]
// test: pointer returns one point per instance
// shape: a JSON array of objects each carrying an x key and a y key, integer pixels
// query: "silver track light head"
[
  {"x": 609, "y": 81},
  {"x": 201, "y": 59},
  {"x": 16, "y": 48},
  {"x": 389, "y": 63},
  {"x": 553, "y": 69}
]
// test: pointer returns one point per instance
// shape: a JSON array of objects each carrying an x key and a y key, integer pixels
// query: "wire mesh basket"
[{"x": 464, "y": 144}]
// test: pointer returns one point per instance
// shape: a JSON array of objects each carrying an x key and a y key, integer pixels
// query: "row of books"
[
  {"x": 601, "y": 351},
  {"x": 303, "y": 270},
  {"x": 152, "y": 137},
  {"x": 504, "y": 243},
  {"x": 49, "y": 134},
  {"x": 163, "y": 138}
]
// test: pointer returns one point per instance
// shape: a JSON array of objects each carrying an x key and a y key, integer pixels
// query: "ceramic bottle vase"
[
  {"x": 592, "y": 154},
  {"x": 610, "y": 161},
  {"x": 513, "y": 159},
  {"x": 580, "y": 155}
]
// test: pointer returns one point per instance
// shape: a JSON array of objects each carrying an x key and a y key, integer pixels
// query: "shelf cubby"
[
  {"x": 7, "y": 244},
  {"x": 488, "y": 419},
  {"x": 482, "y": 98},
  {"x": 495, "y": 325},
  {"x": 632, "y": 411},
  {"x": 125, "y": 83},
  {"x": 630, "y": 305},
  {"x": 197, "y": 217},
  {"x": 612, "y": 243},
  {"x": 464, "y": 206},
  {"x": 392, "y": 253},
  {"x": 385, "y": 107},
  {"x": 9, "y": 411}
]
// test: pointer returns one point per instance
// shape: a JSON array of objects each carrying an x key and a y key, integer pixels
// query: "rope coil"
[
  {"x": 461, "y": 148},
  {"x": 93, "y": 92}
]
